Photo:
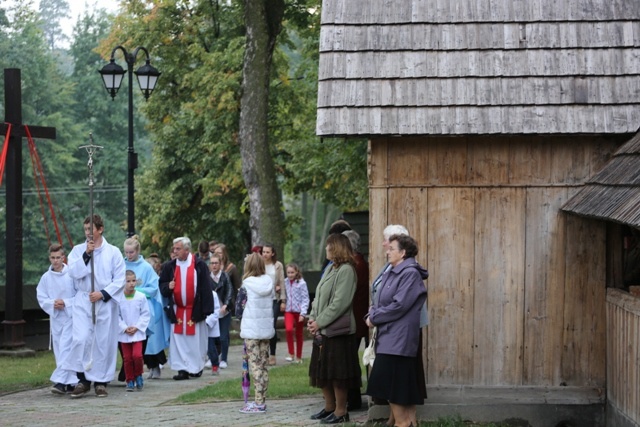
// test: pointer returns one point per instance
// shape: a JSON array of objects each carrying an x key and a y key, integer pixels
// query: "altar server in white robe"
[
  {"x": 94, "y": 347},
  {"x": 55, "y": 293}
]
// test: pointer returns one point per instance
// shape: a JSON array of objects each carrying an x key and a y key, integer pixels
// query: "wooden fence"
[{"x": 623, "y": 353}]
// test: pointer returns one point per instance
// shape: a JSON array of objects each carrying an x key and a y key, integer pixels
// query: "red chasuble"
[{"x": 185, "y": 307}]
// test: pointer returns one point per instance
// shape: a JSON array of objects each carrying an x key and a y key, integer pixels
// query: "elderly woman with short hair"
[{"x": 396, "y": 314}]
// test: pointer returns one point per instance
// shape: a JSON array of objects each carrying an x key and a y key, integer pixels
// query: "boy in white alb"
[
  {"x": 55, "y": 294},
  {"x": 134, "y": 319}
]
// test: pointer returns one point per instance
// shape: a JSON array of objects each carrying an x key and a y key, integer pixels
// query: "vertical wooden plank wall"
[
  {"x": 545, "y": 247},
  {"x": 516, "y": 288},
  {"x": 451, "y": 256},
  {"x": 499, "y": 286},
  {"x": 623, "y": 353},
  {"x": 583, "y": 358}
]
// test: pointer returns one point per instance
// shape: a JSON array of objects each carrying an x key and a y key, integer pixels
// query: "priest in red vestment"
[{"x": 186, "y": 283}]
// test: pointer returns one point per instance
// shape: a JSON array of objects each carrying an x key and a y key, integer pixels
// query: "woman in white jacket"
[{"x": 256, "y": 328}]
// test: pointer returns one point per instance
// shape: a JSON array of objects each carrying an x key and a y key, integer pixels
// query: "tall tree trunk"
[{"x": 263, "y": 21}]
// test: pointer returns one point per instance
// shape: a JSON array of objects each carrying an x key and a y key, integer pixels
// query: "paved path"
[{"x": 155, "y": 406}]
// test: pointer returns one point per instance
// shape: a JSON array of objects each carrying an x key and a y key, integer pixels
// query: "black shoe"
[
  {"x": 332, "y": 419},
  {"x": 69, "y": 388},
  {"x": 321, "y": 415},
  {"x": 198, "y": 375},
  {"x": 58, "y": 388},
  {"x": 182, "y": 375}
]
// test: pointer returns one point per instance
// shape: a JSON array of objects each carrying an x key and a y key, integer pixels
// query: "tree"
[
  {"x": 106, "y": 119},
  {"x": 194, "y": 184},
  {"x": 263, "y": 20},
  {"x": 46, "y": 95},
  {"x": 51, "y": 12},
  {"x": 75, "y": 104}
]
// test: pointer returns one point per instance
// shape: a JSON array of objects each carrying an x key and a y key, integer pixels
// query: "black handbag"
[{"x": 340, "y": 326}]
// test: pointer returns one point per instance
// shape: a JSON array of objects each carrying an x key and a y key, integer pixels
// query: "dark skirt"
[
  {"x": 335, "y": 362},
  {"x": 153, "y": 360},
  {"x": 395, "y": 378}
]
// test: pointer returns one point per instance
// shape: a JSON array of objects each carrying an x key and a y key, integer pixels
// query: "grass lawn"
[
  {"x": 24, "y": 373},
  {"x": 284, "y": 382}
]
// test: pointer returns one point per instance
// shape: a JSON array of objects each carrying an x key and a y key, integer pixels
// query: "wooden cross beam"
[
  {"x": 36, "y": 131},
  {"x": 13, "y": 322}
]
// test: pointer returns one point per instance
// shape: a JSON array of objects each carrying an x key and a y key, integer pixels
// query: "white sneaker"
[
  {"x": 289, "y": 359},
  {"x": 253, "y": 408},
  {"x": 155, "y": 373},
  {"x": 223, "y": 364},
  {"x": 208, "y": 364}
]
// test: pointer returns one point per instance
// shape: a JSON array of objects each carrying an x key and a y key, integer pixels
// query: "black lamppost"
[{"x": 147, "y": 75}]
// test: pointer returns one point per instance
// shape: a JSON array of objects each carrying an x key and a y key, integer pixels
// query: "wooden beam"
[{"x": 36, "y": 131}]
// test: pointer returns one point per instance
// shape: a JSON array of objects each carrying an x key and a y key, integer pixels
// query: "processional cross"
[{"x": 13, "y": 320}]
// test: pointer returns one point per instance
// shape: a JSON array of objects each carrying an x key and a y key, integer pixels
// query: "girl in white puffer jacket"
[{"x": 256, "y": 328}]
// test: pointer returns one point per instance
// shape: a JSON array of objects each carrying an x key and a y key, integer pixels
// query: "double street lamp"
[{"x": 147, "y": 75}]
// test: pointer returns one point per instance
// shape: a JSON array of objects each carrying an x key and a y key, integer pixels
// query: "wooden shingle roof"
[
  {"x": 417, "y": 67},
  {"x": 613, "y": 194}
]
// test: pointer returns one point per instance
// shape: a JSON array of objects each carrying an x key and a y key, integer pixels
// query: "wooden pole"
[{"x": 13, "y": 323}]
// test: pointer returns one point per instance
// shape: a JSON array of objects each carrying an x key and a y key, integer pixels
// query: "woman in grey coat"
[{"x": 396, "y": 313}]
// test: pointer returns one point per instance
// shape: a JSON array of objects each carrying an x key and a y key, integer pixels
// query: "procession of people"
[{"x": 103, "y": 300}]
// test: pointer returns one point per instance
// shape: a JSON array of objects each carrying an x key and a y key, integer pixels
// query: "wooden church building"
[{"x": 485, "y": 118}]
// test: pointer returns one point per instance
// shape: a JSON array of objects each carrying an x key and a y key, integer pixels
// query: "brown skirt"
[{"x": 335, "y": 362}]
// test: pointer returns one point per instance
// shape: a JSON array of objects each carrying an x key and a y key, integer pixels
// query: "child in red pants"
[
  {"x": 134, "y": 319},
  {"x": 295, "y": 311}
]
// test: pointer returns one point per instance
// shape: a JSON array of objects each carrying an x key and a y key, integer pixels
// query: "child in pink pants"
[{"x": 295, "y": 311}]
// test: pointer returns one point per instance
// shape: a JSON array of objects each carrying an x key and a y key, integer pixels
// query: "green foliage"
[
  {"x": 107, "y": 120},
  {"x": 308, "y": 219},
  {"x": 189, "y": 180},
  {"x": 193, "y": 184},
  {"x": 75, "y": 105},
  {"x": 45, "y": 96},
  {"x": 331, "y": 170}
]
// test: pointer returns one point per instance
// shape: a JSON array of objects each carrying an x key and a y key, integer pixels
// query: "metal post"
[
  {"x": 91, "y": 150},
  {"x": 110, "y": 71},
  {"x": 132, "y": 159}
]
